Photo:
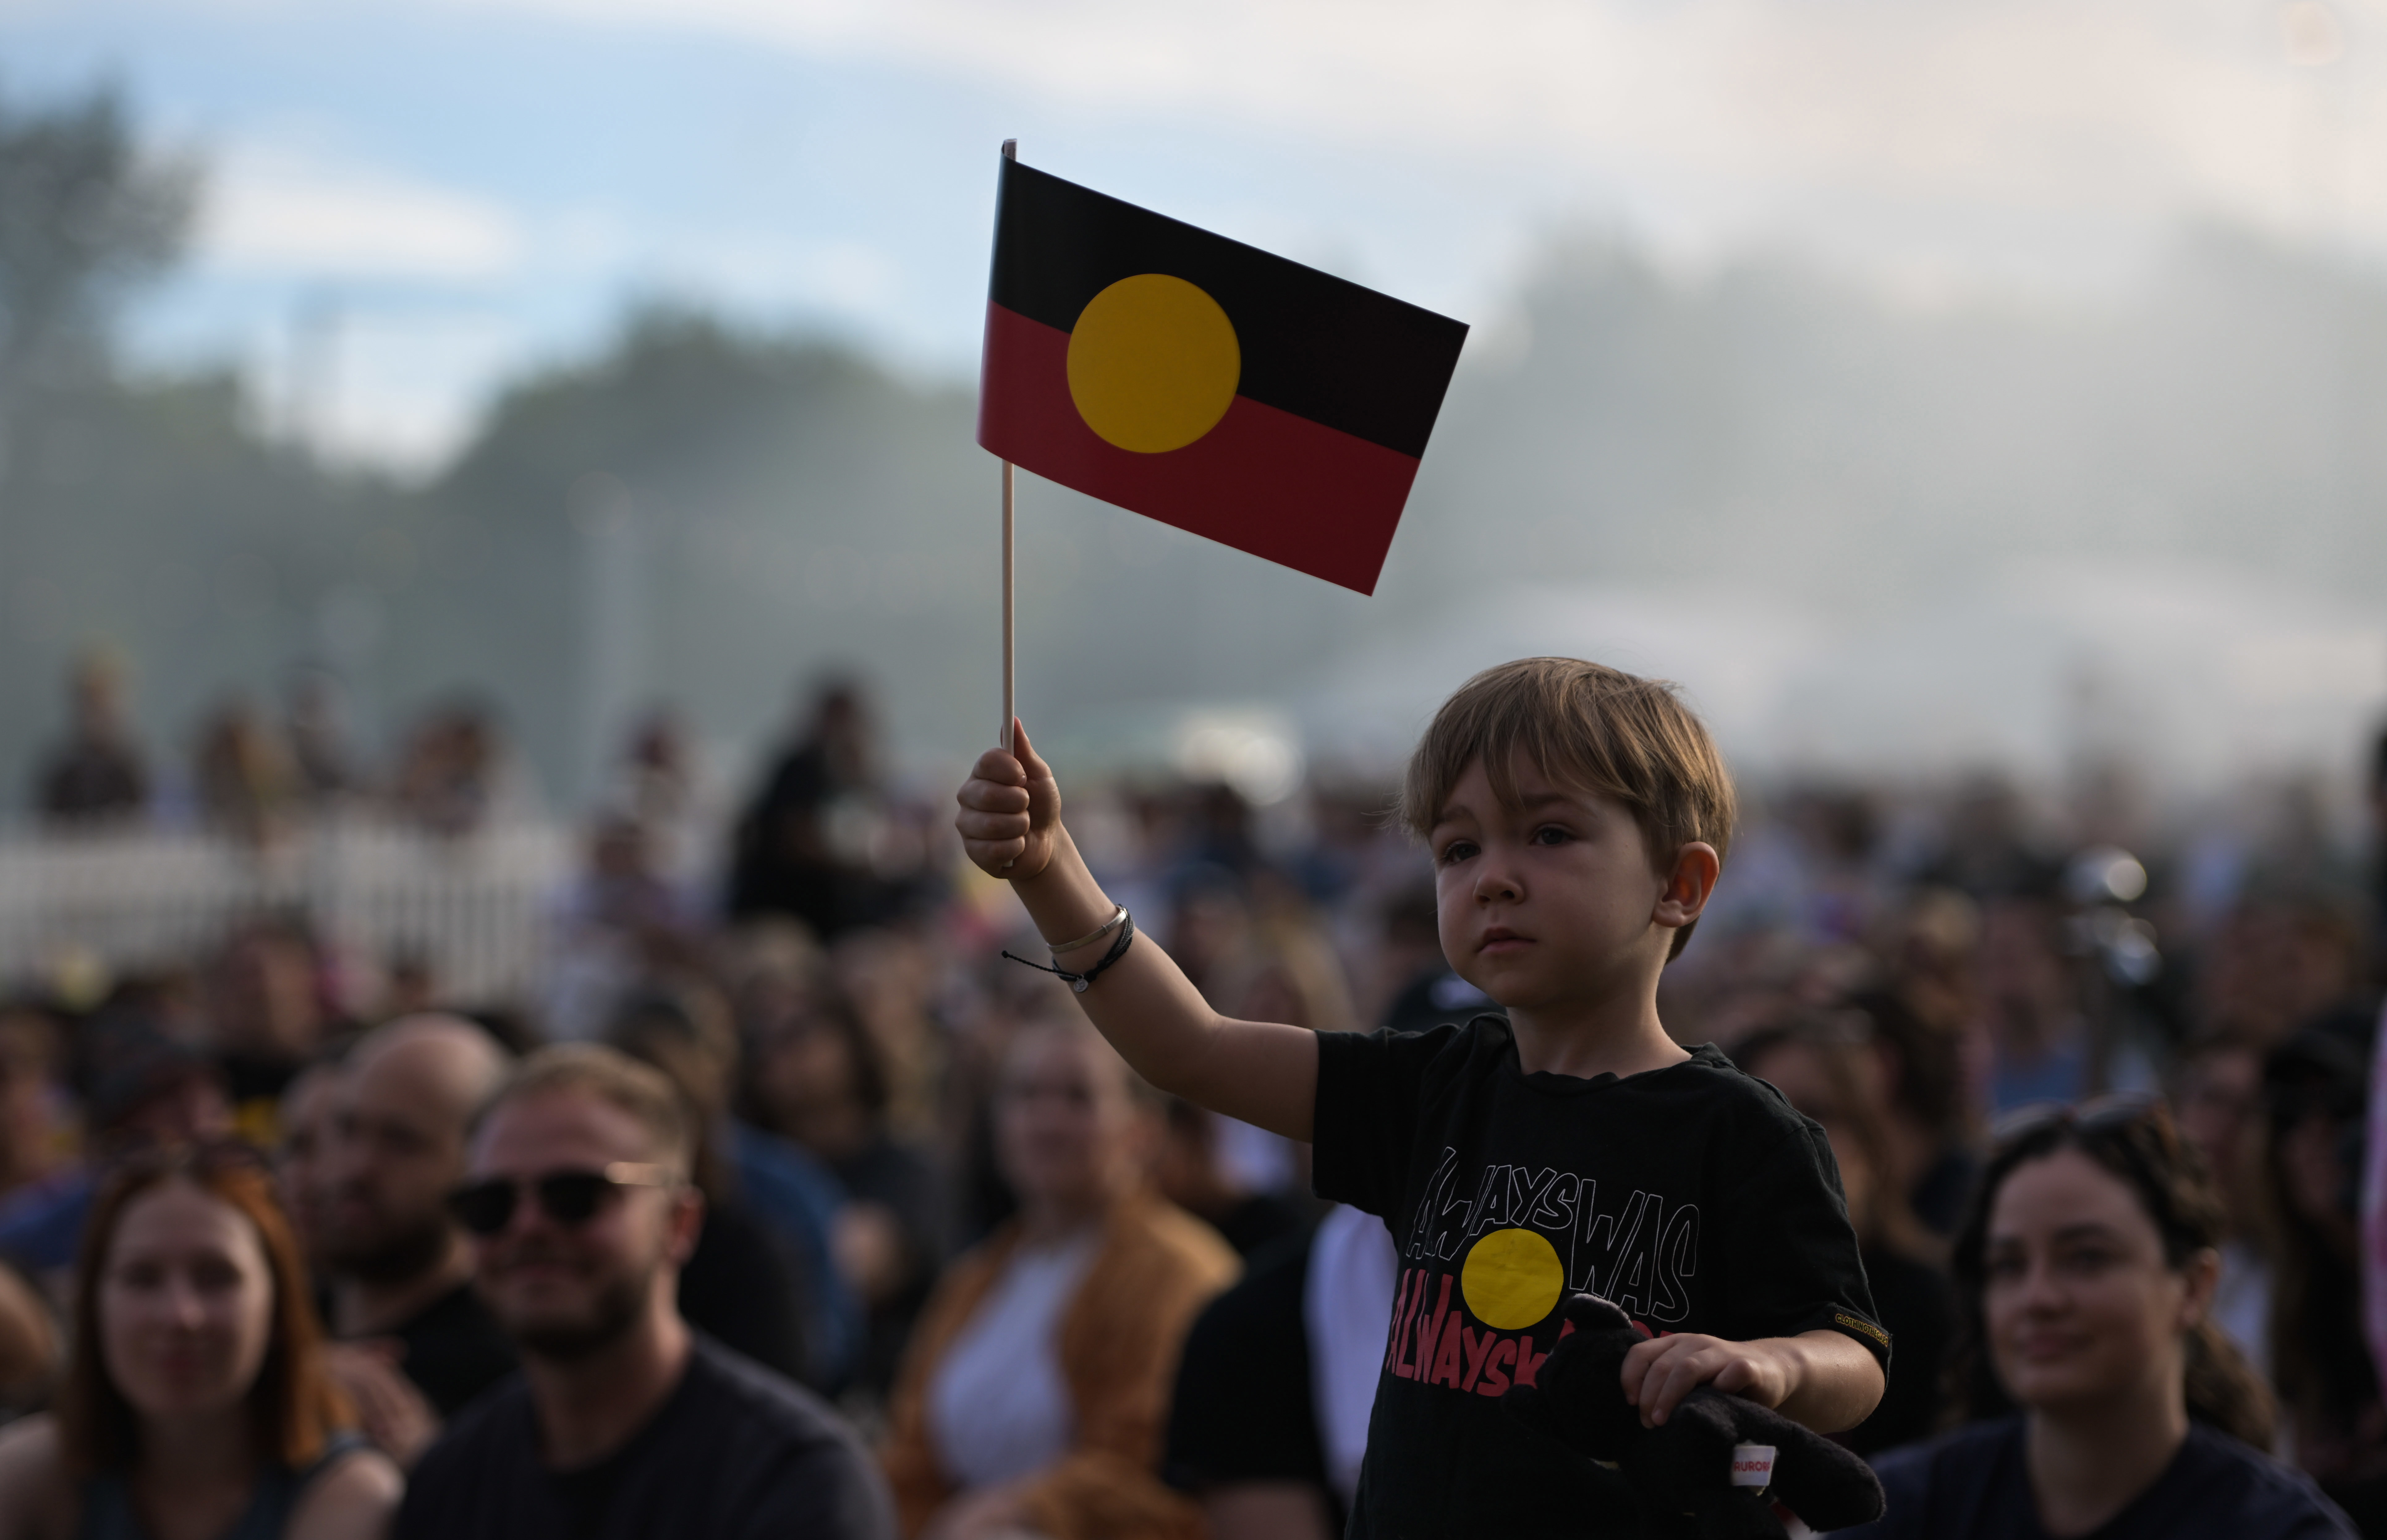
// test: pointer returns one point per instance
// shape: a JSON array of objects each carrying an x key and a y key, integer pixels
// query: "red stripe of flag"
[{"x": 1263, "y": 481}]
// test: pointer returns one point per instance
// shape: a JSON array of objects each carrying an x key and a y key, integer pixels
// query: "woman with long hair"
[
  {"x": 2108, "y": 1403},
  {"x": 1034, "y": 1395},
  {"x": 196, "y": 1405}
]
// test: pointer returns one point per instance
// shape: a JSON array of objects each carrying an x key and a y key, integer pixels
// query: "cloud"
[
  {"x": 2130, "y": 109},
  {"x": 280, "y": 212},
  {"x": 403, "y": 390}
]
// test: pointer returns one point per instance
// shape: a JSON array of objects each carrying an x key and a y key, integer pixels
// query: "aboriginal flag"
[{"x": 1204, "y": 383}]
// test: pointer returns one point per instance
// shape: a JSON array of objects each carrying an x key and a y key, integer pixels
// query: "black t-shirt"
[
  {"x": 737, "y": 1453},
  {"x": 1692, "y": 1196},
  {"x": 1242, "y": 1410},
  {"x": 455, "y": 1350},
  {"x": 1971, "y": 1486}
]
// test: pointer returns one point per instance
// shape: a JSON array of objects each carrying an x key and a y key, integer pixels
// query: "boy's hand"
[
  {"x": 1011, "y": 810},
  {"x": 1658, "y": 1373}
]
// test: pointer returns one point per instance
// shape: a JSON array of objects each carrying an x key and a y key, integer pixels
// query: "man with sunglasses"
[{"x": 625, "y": 1425}]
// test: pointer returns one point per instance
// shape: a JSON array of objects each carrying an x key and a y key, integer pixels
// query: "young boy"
[{"x": 1577, "y": 818}]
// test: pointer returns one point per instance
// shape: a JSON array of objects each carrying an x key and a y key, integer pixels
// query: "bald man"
[{"x": 400, "y": 1274}]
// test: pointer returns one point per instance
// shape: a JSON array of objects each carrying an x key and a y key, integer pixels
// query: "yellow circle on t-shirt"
[
  {"x": 1512, "y": 1279},
  {"x": 1153, "y": 363}
]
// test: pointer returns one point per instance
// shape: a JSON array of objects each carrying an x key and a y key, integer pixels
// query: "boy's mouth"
[{"x": 1501, "y": 938}]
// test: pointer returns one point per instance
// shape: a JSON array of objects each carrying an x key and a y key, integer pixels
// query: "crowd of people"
[
  {"x": 785, "y": 1202},
  {"x": 253, "y": 773}
]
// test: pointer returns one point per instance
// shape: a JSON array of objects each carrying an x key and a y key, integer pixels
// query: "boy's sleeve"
[
  {"x": 1789, "y": 1250},
  {"x": 1364, "y": 1126}
]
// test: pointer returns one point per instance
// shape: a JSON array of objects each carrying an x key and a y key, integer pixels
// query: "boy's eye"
[
  {"x": 1550, "y": 834},
  {"x": 1456, "y": 851}
]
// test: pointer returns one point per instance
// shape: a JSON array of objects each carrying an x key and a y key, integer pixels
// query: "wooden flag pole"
[{"x": 1010, "y": 696}]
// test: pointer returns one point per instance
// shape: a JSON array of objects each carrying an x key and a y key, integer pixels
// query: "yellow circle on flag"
[
  {"x": 1511, "y": 1279},
  {"x": 1153, "y": 363}
]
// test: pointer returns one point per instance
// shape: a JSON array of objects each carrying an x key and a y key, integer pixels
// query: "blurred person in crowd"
[
  {"x": 1033, "y": 1393},
  {"x": 621, "y": 921},
  {"x": 1192, "y": 1174},
  {"x": 31, "y": 1094},
  {"x": 812, "y": 843},
  {"x": 1268, "y": 1418},
  {"x": 1929, "y": 946},
  {"x": 317, "y": 731},
  {"x": 267, "y": 1017},
  {"x": 763, "y": 1279},
  {"x": 816, "y": 1079},
  {"x": 1255, "y": 955},
  {"x": 2039, "y": 1040},
  {"x": 890, "y": 977},
  {"x": 248, "y": 785},
  {"x": 1425, "y": 991},
  {"x": 196, "y": 1404},
  {"x": 97, "y": 774},
  {"x": 1987, "y": 848},
  {"x": 144, "y": 1089},
  {"x": 1216, "y": 829},
  {"x": 659, "y": 769},
  {"x": 452, "y": 773},
  {"x": 1348, "y": 849},
  {"x": 2314, "y": 1088},
  {"x": 301, "y": 1159},
  {"x": 625, "y": 1424},
  {"x": 412, "y": 985},
  {"x": 659, "y": 782},
  {"x": 30, "y": 1348},
  {"x": 2284, "y": 962},
  {"x": 416, "y": 1344},
  {"x": 2085, "y": 1268},
  {"x": 1928, "y": 1122},
  {"x": 2324, "y": 975},
  {"x": 1824, "y": 1065},
  {"x": 2218, "y": 1092}
]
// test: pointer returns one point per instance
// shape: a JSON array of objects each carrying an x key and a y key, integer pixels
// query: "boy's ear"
[{"x": 1688, "y": 885}]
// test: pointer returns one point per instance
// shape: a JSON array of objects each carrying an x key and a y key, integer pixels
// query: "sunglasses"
[
  {"x": 566, "y": 1197},
  {"x": 2095, "y": 1115}
]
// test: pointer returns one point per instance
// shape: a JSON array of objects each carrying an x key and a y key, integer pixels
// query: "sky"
[{"x": 408, "y": 205}]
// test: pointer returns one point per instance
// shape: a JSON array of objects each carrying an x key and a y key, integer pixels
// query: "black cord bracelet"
[{"x": 1079, "y": 981}]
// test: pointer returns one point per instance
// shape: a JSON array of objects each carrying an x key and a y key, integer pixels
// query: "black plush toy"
[{"x": 1683, "y": 1466}]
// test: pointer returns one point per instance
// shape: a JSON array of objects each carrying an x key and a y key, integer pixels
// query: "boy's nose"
[{"x": 1496, "y": 884}]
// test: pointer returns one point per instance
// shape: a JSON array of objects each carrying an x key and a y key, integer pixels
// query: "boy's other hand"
[
  {"x": 1011, "y": 810},
  {"x": 1660, "y": 1372}
]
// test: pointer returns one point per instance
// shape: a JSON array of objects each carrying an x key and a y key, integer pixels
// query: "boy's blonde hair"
[{"x": 1586, "y": 726}]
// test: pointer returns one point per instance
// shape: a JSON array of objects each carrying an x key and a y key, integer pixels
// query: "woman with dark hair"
[
  {"x": 2085, "y": 1272},
  {"x": 2315, "y": 1089},
  {"x": 196, "y": 1405}
]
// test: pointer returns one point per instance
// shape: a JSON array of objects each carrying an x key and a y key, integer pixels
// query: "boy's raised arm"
[{"x": 1265, "y": 1073}]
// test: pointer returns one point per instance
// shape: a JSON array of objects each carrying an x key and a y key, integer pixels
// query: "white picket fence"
[{"x": 476, "y": 907}]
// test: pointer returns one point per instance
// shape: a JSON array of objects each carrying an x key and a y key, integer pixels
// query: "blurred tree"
[{"x": 86, "y": 216}]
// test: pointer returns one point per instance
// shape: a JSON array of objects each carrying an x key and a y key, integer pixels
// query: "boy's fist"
[{"x": 1011, "y": 810}]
